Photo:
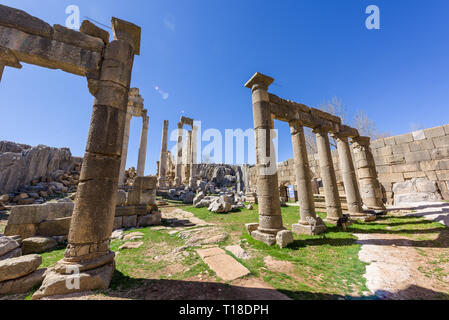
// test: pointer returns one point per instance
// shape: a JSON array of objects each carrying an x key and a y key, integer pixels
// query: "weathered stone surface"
[
  {"x": 57, "y": 227},
  {"x": 226, "y": 267},
  {"x": 237, "y": 251},
  {"x": 18, "y": 267},
  {"x": 91, "y": 29},
  {"x": 149, "y": 220},
  {"x": 129, "y": 221},
  {"x": 11, "y": 17},
  {"x": 7, "y": 244},
  {"x": 133, "y": 235},
  {"x": 267, "y": 238},
  {"x": 250, "y": 227},
  {"x": 12, "y": 254},
  {"x": 23, "y": 230},
  {"x": 77, "y": 39},
  {"x": 284, "y": 238},
  {"x": 38, "y": 245},
  {"x": 131, "y": 245},
  {"x": 50, "y": 53},
  {"x": 415, "y": 190},
  {"x": 23, "y": 284},
  {"x": 20, "y": 164},
  {"x": 121, "y": 198},
  {"x": 55, "y": 283}
]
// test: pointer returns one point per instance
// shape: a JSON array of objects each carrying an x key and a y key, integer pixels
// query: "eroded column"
[
  {"x": 163, "y": 162},
  {"x": 308, "y": 223},
  {"x": 88, "y": 254},
  {"x": 187, "y": 159},
  {"x": 125, "y": 148},
  {"x": 143, "y": 145},
  {"x": 178, "y": 176},
  {"x": 270, "y": 218},
  {"x": 193, "y": 162},
  {"x": 349, "y": 178},
  {"x": 370, "y": 189},
  {"x": 333, "y": 203}
]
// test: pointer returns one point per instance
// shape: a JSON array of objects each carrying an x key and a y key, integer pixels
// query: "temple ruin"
[{"x": 268, "y": 107}]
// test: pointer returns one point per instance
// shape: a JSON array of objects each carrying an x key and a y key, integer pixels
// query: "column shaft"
[
  {"x": 178, "y": 175},
  {"x": 333, "y": 204},
  {"x": 370, "y": 189},
  {"x": 303, "y": 178},
  {"x": 125, "y": 149},
  {"x": 143, "y": 147},
  {"x": 270, "y": 218},
  {"x": 349, "y": 177},
  {"x": 163, "y": 161}
]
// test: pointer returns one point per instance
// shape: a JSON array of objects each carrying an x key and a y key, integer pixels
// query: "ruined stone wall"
[
  {"x": 419, "y": 154},
  {"x": 20, "y": 164}
]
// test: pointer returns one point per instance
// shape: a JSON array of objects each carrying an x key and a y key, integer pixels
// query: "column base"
[
  {"x": 377, "y": 211},
  {"x": 68, "y": 278},
  {"x": 308, "y": 229},
  {"x": 362, "y": 216}
]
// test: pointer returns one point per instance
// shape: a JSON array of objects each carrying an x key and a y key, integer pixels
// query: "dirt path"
[{"x": 411, "y": 266}]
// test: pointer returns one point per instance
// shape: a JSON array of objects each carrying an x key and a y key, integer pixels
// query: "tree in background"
[{"x": 361, "y": 122}]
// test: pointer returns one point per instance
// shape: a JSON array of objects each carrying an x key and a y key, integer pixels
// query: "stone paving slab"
[{"x": 225, "y": 266}]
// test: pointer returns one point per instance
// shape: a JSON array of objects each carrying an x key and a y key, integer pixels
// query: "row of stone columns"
[{"x": 270, "y": 218}]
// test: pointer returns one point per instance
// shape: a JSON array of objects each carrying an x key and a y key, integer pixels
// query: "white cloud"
[
  {"x": 169, "y": 22},
  {"x": 164, "y": 95}
]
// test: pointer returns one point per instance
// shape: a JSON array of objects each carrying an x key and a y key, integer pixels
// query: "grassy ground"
[{"x": 313, "y": 267}]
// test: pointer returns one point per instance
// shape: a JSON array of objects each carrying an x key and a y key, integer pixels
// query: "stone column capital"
[
  {"x": 361, "y": 141},
  {"x": 320, "y": 130},
  {"x": 259, "y": 80},
  {"x": 180, "y": 125},
  {"x": 127, "y": 31},
  {"x": 296, "y": 126}
]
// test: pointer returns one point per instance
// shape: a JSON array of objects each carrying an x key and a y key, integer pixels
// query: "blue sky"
[{"x": 201, "y": 52}]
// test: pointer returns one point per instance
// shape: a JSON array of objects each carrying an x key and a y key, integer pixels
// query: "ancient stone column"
[
  {"x": 193, "y": 162},
  {"x": 187, "y": 160},
  {"x": 370, "y": 189},
  {"x": 270, "y": 218},
  {"x": 143, "y": 145},
  {"x": 88, "y": 254},
  {"x": 163, "y": 162},
  {"x": 308, "y": 224},
  {"x": 349, "y": 178},
  {"x": 125, "y": 148},
  {"x": 333, "y": 203},
  {"x": 178, "y": 176}
]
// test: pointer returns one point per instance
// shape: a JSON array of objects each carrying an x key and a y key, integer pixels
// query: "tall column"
[
  {"x": 163, "y": 162},
  {"x": 143, "y": 145},
  {"x": 349, "y": 178},
  {"x": 270, "y": 218},
  {"x": 187, "y": 160},
  {"x": 193, "y": 162},
  {"x": 178, "y": 176},
  {"x": 93, "y": 216},
  {"x": 125, "y": 148},
  {"x": 308, "y": 223},
  {"x": 370, "y": 190},
  {"x": 333, "y": 203}
]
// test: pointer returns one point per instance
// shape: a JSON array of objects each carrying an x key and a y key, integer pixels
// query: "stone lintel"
[
  {"x": 363, "y": 141},
  {"x": 49, "y": 53},
  {"x": 91, "y": 29},
  {"x": 124, "y": 30},
  {"x": 259, "y": 78},
  {"x": 7, "y": 58},
  {"x": 347, "y": 132},
  {"x": 187, "y": 121}
]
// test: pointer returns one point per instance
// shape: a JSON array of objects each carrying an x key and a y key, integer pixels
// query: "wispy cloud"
[
  {"x": 164, "y": 95},
  {"x": 169, "y": 22}
]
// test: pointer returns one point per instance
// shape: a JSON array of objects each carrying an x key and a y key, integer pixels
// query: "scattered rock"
[
  {"x": 18, "y": 267},
  {"x": 237, "y": 251},
  {"x": 131, "y": 245},
  {"x": 7, "y": 245},
  {"x": 23, "y": 284},
  {"x": 284, "y": 238},
  {"x": 38, "y": 245},
  {"x": 133, "y": 236}
]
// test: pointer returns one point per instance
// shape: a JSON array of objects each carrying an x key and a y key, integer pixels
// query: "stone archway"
[{"x": 107, "y": 67}]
